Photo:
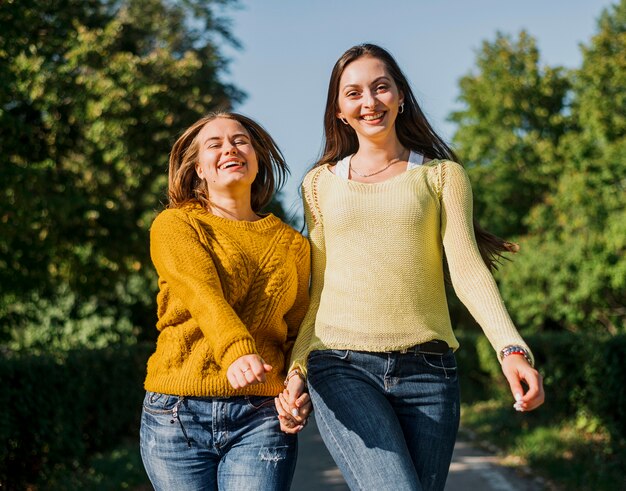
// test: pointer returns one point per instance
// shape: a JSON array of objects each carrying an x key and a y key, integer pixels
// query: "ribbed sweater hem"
[{"x": 172, "y": 384}]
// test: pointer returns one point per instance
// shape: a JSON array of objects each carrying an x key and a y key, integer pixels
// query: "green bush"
[
  {"x": 59, "y": 409},
  {"x": 583, "y": 375}
]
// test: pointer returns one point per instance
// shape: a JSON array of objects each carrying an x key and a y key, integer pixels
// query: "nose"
[
  {"x": 369, "y": 100},
  {"x": 229, "y": 149}
]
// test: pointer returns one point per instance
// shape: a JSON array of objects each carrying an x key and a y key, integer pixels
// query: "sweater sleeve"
[
  {"x": 185, "y": 264},
  {"x": 313, "y": 218},
  {"x": 296, "y": 313},
  {"x": 471, "y": 279}
]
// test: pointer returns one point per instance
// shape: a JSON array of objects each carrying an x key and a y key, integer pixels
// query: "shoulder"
[
  {"x": 169, "y": 216},
  {"x": 311, "y": 177},
  {"x": 445, "y": 173},
  {"x": 453, "y": 173},
  {"x": 172, "y": 221}
]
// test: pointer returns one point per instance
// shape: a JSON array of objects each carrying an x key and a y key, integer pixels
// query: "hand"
[
  {"x": 292, "y": 419},
  {"x": 516, "y": 369},
  {"x": 293, "y": 406},
  {"x": 247, "y": 370}
]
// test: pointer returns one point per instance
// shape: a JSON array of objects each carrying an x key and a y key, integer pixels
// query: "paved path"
[{"x": 471, "y": 469}]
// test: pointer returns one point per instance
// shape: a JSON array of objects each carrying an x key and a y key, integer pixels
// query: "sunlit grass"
[{"x": 575, "y": 454}]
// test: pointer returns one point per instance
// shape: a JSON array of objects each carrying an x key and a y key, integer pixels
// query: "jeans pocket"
[
  {"x": 158, "y": 403},
  {"x": 340, "y": 354},
  {"x": 258, "y": 402},
  {"x": 445, "y": 363}
]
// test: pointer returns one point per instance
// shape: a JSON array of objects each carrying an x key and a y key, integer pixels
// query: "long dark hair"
[
  {"x": 413, "y": 130},
  {"x": 184, "y": 184}
]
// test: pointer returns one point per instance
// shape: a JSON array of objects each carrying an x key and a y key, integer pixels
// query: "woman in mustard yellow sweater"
[
  {"x": 233, "y": 290},
  {"x": 382, "y": 205}
]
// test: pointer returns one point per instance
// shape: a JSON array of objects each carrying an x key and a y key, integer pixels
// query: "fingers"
[
  {"x": 287, "y": 423},
  {"x": 304, "y": 405},
  {"x": 295, "y": 388},
  {"x": 535, "y": 396},
  {"x": 247, "y": 370},
  {"x": 287, "y": 428},
  {"x": 516, "y": 369},
  {"x": 282, "y": 406},
  {"x": 290, "y": 409}
]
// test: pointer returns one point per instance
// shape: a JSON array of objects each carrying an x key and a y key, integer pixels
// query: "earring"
[
  {"x": 344, "y": 120},
  {"x": 401, "y": 110}
]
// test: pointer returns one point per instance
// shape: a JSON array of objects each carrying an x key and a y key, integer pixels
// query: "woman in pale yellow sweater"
[
  {"x": 233, "y": 290},
  {"x": 376, "y": 346}
]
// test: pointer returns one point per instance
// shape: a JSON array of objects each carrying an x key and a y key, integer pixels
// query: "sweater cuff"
[{"x": 236, "y": 350}]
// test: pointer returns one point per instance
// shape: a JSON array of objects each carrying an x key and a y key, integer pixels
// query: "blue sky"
[{"x": 290, "y": 47}]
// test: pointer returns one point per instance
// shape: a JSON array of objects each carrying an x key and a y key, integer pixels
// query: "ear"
[
  {"x": 339, "y": 115},
  {"x": 401, "y": 97},
  {"x": 199, "y": 172}
]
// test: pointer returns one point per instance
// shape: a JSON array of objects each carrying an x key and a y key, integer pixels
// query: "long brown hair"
[
  {"x": 184, "y": 185},
  {"x": 413, "y": 130}
]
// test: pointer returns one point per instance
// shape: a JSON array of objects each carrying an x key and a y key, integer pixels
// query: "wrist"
[
  {"x": 296, "y": 372},
  {"x": 516, "y": 350}
]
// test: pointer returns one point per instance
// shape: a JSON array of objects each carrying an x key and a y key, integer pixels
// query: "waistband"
[{"x": 434, "y": 347}]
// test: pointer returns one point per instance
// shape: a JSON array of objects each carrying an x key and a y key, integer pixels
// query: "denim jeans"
[
  {"x": 389, "y": 420},
  {"x": 199, "y": 443}
]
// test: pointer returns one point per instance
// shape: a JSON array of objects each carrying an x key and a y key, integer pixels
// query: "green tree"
[
  {"x": 572, "y": 269},
  {"x": 509, "y": 126},
  {"x": 93, "y": 94}
]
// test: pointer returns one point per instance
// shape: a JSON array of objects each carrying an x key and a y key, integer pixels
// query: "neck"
[
  {"x": 378, "y": 154},
  {"x": 233, "y": 206}
]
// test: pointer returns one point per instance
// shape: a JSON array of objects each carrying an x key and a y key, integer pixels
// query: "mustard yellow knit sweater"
[
  {"x": 226, "y": 289},
  {"x": 377, "y": 262}
]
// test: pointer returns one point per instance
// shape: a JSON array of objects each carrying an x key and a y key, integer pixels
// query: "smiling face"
[
  {"x": 226, "y": 156},
  {"x": 369, "y": 99}
]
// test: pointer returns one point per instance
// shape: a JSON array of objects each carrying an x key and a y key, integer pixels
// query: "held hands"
[
  {"x": 516, "y": 369},
  {"x": 293, "y": 406},
  {"x": 247, "y": 370}
]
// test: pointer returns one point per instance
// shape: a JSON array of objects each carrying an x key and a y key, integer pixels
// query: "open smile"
[
  {"x": 231, "y": 164},
  {"x": 373, "y": 117}
]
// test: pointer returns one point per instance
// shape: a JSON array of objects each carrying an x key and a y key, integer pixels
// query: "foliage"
[
  {"x": 571, "y": 457},
  {"x": 508, "y": 130},
  {"x": 120, "y": 468},
  {"x": 92, "y": 96},
  {"x": 582, "y": 375},
  {"x": 583, "y": 419},
  {"x": 546, "y": 151},
  {"x": 60, "y": 409}
]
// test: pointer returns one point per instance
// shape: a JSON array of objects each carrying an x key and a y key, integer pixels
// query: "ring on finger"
[{"x": 246, "y": 370}]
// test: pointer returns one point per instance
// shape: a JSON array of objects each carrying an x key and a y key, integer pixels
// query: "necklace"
[{"x": 391, "y": 162}]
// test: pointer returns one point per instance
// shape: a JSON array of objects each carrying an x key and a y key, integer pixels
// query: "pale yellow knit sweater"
[
  {"x": 377, "y": 262},
  {"x": 226, "y": 289}
]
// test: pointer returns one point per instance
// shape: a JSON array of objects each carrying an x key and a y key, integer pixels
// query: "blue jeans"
[
  {"x": 203, "y": 443},
  {"x": 389, "y": 420}
]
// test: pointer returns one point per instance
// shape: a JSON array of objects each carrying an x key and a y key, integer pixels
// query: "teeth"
[
  {"x": 372, "y": 117},
  {"x": 231, "y": 164}
]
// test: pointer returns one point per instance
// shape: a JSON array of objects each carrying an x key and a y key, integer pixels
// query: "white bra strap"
[
  {"x": 342, "y": 169},
  {"x": 415, "y": 160}
]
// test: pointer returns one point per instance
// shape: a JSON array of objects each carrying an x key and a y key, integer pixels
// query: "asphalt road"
[{"x": 471, "y": 469}]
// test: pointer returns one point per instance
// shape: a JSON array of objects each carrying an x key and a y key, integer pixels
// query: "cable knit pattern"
[
  {"x": 226, "y": 289},
  {"x": 377, "y": 255}
]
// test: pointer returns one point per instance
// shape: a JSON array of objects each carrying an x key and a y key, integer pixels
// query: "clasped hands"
[{"x": 293, "y": 404}]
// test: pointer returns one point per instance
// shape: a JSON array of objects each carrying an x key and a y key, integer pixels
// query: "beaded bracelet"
[{"x": 516, "y": 350}]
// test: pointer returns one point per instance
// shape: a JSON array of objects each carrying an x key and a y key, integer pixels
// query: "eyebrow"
[
  {"x": 216, "y": 138},
  {"x": 382, "y": 77}
]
